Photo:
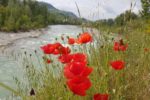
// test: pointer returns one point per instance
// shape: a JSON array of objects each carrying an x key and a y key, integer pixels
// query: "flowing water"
[{"x": 10, "y": 61}]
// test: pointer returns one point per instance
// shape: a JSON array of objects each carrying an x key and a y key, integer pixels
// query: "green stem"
[{"x": 9, "y": 88}]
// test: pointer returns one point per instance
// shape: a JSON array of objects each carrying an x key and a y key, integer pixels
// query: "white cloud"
[{"x": 96, "y": 9}]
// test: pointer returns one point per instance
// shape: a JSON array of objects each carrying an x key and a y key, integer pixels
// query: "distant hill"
[{"x": 54, "y": 10}]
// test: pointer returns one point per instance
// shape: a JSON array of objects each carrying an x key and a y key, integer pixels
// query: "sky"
[{"x": 96, "y": 9}]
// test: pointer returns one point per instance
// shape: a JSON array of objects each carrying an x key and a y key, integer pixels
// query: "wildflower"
[
  {"x": 100, "y": 96},
  {"x": 55, "y": 49},
  {"x": 51, "y": 48},
  {"x": 65, "y": 58},
  {"x": 74, "y": 69},
  {"x": 123, "y": 47},
  {"x": 118, "y": 65},
  {"x": 59, "y": 49},
  {"x": 84, "y": 38},
  {"x": 68, "y": 58},
  {"x": 79, "y": 57},
  {"x": 116, "y": 46},
  {"x": 64, "y": 50},
  {"x": 120, "y": 46},
  {"x": 48, "y": 49},
  {"x": 48, "y": 61},
  {"x": 55, "y": 52},
  {"x": 71, "y": 41},
  {"x": 79, "y": 85}
]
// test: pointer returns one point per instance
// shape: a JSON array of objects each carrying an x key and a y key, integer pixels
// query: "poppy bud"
[
  {"x": 35, "y": 51},
  {"x": 32, "y": 92},
  {"x": 56, "y": 39},
  {"x": 27, "y": 66},
  {"x": 25, "y": 52}
]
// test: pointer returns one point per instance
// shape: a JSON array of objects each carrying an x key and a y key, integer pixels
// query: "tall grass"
[{"x": 131, "y": 83}]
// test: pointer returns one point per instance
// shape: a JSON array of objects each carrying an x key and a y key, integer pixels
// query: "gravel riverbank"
[{"x": 7, "y": 39}]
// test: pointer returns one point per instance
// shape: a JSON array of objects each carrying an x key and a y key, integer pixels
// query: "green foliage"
[
  {"x": 145, "y": 8},
  {"x": 24, "y": 22},
  {"x": 17, "y": 15},
  {"x": 3, "y": 2},
  {"x": 125, "y": 17},
  {"x": 10, "y": 24},
  {"x": 120, "y": 21},
  {"x": 2, "y": 15}
]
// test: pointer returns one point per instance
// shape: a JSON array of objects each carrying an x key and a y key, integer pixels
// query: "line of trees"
[
  {"x": 120, "y": 20},
  {"x": 128, "y": 15}
]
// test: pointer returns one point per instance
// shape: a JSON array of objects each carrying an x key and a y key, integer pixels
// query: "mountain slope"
[{"x": 52, "y": 9}]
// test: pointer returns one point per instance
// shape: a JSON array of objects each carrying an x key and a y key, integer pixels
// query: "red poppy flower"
[
  {"x": 79, "y": 85},
  {"x": 116, "y": 46},
  {"x": 118, "y": 65},
  {"x": 51, "y": 48},
  {"x": 119, "y": 46},
  {"x": 48, "y": 61},
  {"x": 56, "y": 52},
  {"x": 65, "y": 58},
  {"x": 47, "y": 49},
  {"x": 64, "y": 50},
  {"x": 57, "y": 45},
  {"x": 55, "y": 49},
  {"x": 84, "y": 38},
  {"x": 71, "y": 41},
  {"x": 123, "y": 47},
  {"x": 74, "y": 69},
  {"x": 79, "y": 57},
  {"x": 100, "y": 96}
]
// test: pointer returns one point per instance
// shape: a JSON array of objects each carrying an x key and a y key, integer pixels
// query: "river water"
[{"x": 11, "y": 65}]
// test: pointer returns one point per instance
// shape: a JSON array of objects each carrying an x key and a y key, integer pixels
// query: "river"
[{"x": 10, "y": 64}]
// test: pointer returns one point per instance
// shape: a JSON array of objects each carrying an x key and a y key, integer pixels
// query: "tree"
[
  {"x": 145, "y": 8},
  {"x": 4, "y": 2},
  {"x": 2, "y": 15},
  {"x": 125, "y": 17}
]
